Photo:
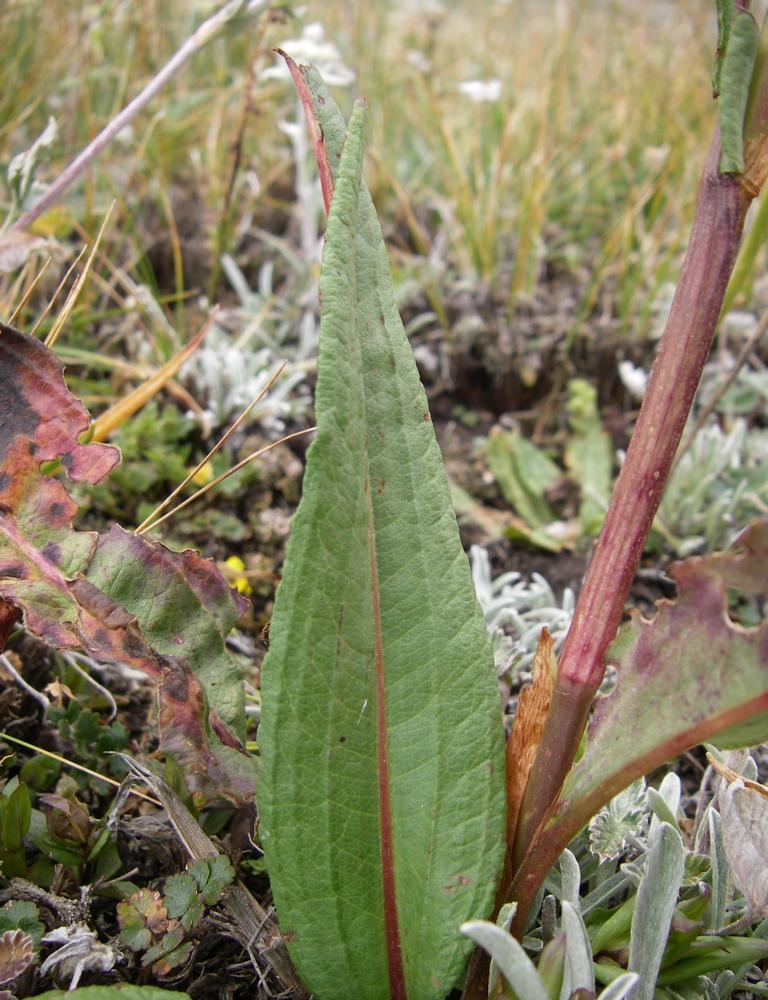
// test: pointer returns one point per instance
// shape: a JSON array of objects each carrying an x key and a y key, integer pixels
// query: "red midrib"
[{"x": 391, "y": 929}]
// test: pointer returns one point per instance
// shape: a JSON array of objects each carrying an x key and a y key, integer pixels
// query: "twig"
[
  {"x": 25, "y": 686},
  {"x": 251, "y": 924},
  {"x": 59, "y": 287},
  {"x": 27, "y": 295},
  {"x": 69, "y": 659},
  {"x": 71, "y": 299},
  {"x": 196, "y": 41}
]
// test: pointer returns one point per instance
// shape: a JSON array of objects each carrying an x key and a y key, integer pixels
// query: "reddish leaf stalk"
[{"x": 720, "y": 211}]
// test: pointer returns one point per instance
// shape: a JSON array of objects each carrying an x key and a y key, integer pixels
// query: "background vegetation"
[{"x": 534, "y": 166}]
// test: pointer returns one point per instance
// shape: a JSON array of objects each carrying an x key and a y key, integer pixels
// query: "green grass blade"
[{"x": 381, "y": 796}]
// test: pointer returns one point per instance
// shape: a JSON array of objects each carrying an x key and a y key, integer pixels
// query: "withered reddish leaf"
[
  {"x": 67, "y": 819},
  {"x": 134, "y": 602},
  {"x": 531, "y": 714},
  {"x": 41, "y": 421},
  {"x": 687, "y": 676},
  {"x": 17, "y": 952},
  {"x": 744, "y": 811}
]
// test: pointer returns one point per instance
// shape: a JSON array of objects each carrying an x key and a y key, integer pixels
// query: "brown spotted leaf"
[
  {"x": 119, "y": 597},
  {"x": 41, "y": 421}
]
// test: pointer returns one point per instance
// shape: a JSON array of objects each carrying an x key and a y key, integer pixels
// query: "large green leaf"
[{"x": 381, "y": 782}]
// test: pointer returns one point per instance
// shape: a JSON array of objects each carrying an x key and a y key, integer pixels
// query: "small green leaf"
[
  {"x": 23, "y": 916},
  {"x": 142, "y": 917},
  {"x": 578, "y": 972},
  {"x": 16, "y": 818},
  {"x": 660, "y": 808},
  {"x": 172, "y": 959},
  {"x": 169, "y": 953},
  {"x": 213, "y": 875},
  {"x": 667, "y": 800},
  {"x": 551, "y": 965},
  {"x": 610, "y": 828},
  {"x": 708, "y": 954},
  {"x": 40, "y": 772},
  {"x": 182, "y": 901},
  {"x": 735, "y": 77},
  {"x": 719, "y": 868},
  {"x": 612, "y": 934},
  {"x": 570, "y": 878},
  {"x": 524, "y": 474},
  {"x": 589, "y": 455}
]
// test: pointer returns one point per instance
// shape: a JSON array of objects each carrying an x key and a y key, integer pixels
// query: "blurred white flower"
[
  {"x": 418, "y": 60},
  {"x": 634, "y": 379},
  {"x": 312, "y": 49},
  {"x": 655, "y": 157},
  {"x": 481, "y": 91}
]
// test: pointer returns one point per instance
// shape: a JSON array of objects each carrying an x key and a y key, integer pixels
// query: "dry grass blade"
[
  {"x": 59, "y": 287},
  {"x": 225, "y": 475},
  {"x": 69, "y": 305},
  {"x": 253, "y": 926},
  {"x": 27, "y": 295},
  {"x": 730, "y": 776},
  {"x": 216, "y": 448},
  {"x": 109, "y": 421},
  {"x": 76, "y": 766}
]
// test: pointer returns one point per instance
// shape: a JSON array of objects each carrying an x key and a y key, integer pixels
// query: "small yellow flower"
[
  {"x": 237, "y": 578},
  {"x": 204, "y": 475}
]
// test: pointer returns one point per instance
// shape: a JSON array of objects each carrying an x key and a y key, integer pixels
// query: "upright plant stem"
[
  {"x": 720, "y": 211},
  {"x": 721, "y": 208}
]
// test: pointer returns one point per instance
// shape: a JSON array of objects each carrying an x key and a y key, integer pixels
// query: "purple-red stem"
[
  {"x": 719, "y": 220},
  {"x": 721, "y": 207}
]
